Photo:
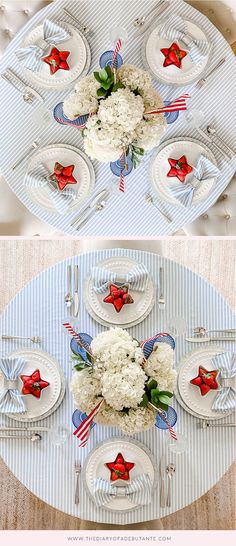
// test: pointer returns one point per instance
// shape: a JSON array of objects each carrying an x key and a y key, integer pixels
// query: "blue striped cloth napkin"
[
  {"x": 31, "y": 56},
  {"x": 175, "y": 28},
  {"x": 137, "y": 278},
  {"x": 202, "y": 172},
  {"x": 39, "y": 178},
  {"x": 225, "y": 398},
  {"x": 10, "y": 399},
  {"x": 139, "y": 491}
]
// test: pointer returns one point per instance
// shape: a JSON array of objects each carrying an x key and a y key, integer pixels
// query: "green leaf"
[
  {"x": 77, "y": 357},
  {"x": 117, "y": 86},
  {"x": 164, "y": 399},
  {"x": 163, "y": 406},
  {"x": 79, "y": 367},
  {"x": 106, "y": 85},
  {"x": 154, "y": 396},
  {"x": 109, "y": 72},
  {"x": 167, "y": 393},
  {"x": 151, "y": 384},
  {"x": 97, "y": 77},
  {"x": 101, "y": 92},
  {"x": 144, "y": 401},
  {"x": 103, "y": 75}
]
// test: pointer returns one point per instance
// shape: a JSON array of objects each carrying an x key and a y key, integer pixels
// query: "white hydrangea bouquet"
[{"x": 121, "y": 382}]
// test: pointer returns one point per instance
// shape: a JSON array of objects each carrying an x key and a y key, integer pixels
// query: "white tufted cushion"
[{"x": 222, "y": 13}]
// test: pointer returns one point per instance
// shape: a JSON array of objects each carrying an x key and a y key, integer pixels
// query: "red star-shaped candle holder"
[
  {"x": 173, "y": 55},
  {"x": 119, "y": 468},
  {"x": 33, "y": 384},
  {"x": 206, "y": 380},
  {"x": 179, "y": 168},
  {"x": 118, "y": 296},
  {"x": 57, "y": 60},
  {"x": 63, "y": 175}
]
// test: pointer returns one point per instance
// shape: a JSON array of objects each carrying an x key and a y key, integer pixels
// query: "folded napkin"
[
  {"x": 175, "y": 28},
  {"x": 137, "y": 278},
  {"x": 39, "y": 178},
  {"x": 202, "y": 172},
  {"x": 139, "y": 491},
  {"x": 225, "y": 397},
  {"x": 31, "y": 55},
  {"x": 10, "y": 400}
]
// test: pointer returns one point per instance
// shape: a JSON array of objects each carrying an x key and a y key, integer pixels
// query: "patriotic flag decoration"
[
  {"x": 176, "y": 106},
  {"x": 79, "y": 340},
  {"x": 171, "y": 430},
  {"x": 82, "y": 432},
  {"x": 116, "y": 51},
  {"x": 122, "y": 178}
]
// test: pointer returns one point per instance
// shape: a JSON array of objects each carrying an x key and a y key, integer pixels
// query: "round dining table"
[
  {"x": 47, "y": 469},
  {"x": 129, "y": 214}
]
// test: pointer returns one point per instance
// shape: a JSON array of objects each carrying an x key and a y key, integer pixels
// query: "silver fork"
[
  {"x": 170, "y": 470},
  {"x": 161, "y": 299},
  {"x": 202, "y": 81},
  {"x": 77, "y": 474},
  {"x": 84, "y": 29},
  {"x": 68, "y": 296}
]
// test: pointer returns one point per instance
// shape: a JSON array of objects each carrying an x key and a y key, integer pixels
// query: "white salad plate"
[
  {"x": 130, "y": 314},
  {"x": 66, "y": 155},
  {"x": 171, "y": 75},
  {"x": 51, "y": 396},
  {"x": 79, "y": 59},
  {"x": 188, "y": 395},
  {"x": 132, "y": 451},
  {"x": 159, "y": 167}
]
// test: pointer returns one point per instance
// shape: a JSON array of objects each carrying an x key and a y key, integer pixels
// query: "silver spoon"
[
  {"x": 33, "y": 147},
  {"x": 100, "y": 206},
  {"x": 170, "y": 470},
  {"x": 33, "y": 438},
  {"x": 68, "y": 296},
  {"x": 212, "y": 131},
  {"x": 139, "y": 22},
  {"x": 201, "y": 331},
  {"x": 34, "y": 339}
]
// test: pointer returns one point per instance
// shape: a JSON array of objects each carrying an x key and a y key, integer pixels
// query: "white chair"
[{"x": 15, "y": 219}]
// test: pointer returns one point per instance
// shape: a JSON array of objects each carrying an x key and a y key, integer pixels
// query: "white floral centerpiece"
[
  {"x": 129, "y": 384},
  {"x": 116, "y": 102}
]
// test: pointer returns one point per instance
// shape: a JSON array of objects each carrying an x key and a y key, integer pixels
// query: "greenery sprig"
[
  {"x": 105, "y": 77},
  {"x": 136, "y": 155},
  {"x": 159, "y": 399}
]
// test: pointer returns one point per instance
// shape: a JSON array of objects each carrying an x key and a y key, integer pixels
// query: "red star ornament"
[
  {"x": 119, "y": 468},
  {"x": 118, "y": 296},
  {"x": 63, "y": 175},
  {"x": 57, "y": 60},
  {"x": 33, "y": 384},
  {"x": 205, "y": 380},
  {"x": 179, "y": 168},
  {"x": 173, "y": 55}
]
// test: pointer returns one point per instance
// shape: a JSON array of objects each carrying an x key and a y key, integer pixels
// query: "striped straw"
[
  {"x": 122, "y": 178},
  {"x": 80, "y": 341},
  {"x": 116, "y": 51},
  {"x": 82, "y": 432},
  {"x": 164, "y": 418},
  {"x": 176, "y": 106}
]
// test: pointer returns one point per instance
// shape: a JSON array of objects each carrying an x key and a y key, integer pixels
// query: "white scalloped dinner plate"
[
  {"x": 159, "y": 167},
  {"x": 171, "y": 75},
  {"x": 79, "y": 59},
  {"x": 129, "y": 315},
  {"x": 50, "y": 371},
  {"x": 194, "y": 402},
  {"x": 132, "y": 451},
  {"x": 67, "y": 155}
]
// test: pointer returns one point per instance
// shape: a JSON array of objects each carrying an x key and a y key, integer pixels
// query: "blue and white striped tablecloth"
[
  {"x": 128, "y": 214},
  {"x": 47, "y": 470}
]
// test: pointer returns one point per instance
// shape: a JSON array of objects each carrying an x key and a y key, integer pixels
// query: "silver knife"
[
  {"x": 83, "y": 215},
  {"x": 156, "y": 14},
  {"x": 207, "y": 339},
  {"x": 162, "y": 474},
  {"x": 205, "y": 135},
  {"x": 76, "y": 291}
]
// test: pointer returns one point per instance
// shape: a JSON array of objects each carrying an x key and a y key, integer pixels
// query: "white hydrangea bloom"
[
  {"x": 134, "y": 77},
  {"x": 136, "y": 420},
  {"x": 84, "y": 100},
  {"x": 159, "y": 366},
  {"x": 85, "y": 389}
]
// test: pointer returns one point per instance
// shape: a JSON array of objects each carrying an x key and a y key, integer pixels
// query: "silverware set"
[
  {"x": 157, "y": 10},
  {"x": 202, "y": 81},
  {"x": 202, "y": 335},
  {"x": 22, "y": 433},
  {"x": 211, "y": 136},
  {"x": 28, "y": 93},
  {"x": 97, "y": 204},
  {"x": 72, "y": 301},
  {"x": 33, "y": 339},
  {"x": 207, "y": 424},
  {"x": 169, "y": 471},
  {"x": 149, "y": 199}
]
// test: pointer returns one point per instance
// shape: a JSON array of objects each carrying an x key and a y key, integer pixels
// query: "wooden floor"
[{"x": 19, "y": 262}]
